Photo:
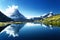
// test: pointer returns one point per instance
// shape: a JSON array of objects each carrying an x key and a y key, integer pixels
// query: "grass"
[
  {"x": 53, "y": 20},
  {"x": 2, "y": 24}
]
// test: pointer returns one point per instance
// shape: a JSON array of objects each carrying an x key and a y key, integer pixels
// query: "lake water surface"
[{"x": 30, "y": 31}]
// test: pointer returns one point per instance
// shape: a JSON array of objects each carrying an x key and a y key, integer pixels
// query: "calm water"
[{"x": 30, "y": 31}]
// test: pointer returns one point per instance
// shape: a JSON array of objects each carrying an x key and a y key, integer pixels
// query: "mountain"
[
  {"x": 52, "y": 20},
  {"x": 42, "y": 17},
  {"x": 36, "y": 18},
  {"x": 17, "y": 16},
  {"x": 4, "y": 18},
  {"x": 48, "y": 15}
]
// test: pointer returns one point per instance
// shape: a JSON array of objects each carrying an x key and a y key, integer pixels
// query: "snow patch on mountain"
[
  {"x": 47, "y": 15},
  {"x": 17, "y": 16}
]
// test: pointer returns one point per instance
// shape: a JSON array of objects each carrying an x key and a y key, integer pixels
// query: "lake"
[{"x": 30, "y": 31}]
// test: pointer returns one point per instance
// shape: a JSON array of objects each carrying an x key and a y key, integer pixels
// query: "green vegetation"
[
  {"x": 53, "y": 20},
  {"x": 6, "y": 23}
]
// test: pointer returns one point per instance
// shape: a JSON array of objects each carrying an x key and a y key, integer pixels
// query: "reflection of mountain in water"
[
  {"x": 30, "y": 31},
  {"x": 13, "y": 29},
  {"x": 16, "y": 28},
  {"x": 1, "y": 28}
]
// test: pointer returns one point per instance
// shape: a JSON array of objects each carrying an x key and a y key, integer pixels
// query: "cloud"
[
  {"x": 1, "y": 10},
  {"x": 10, "y": 10}
]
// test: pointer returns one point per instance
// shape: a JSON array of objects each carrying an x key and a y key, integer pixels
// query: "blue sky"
[{"x": 32, "y": 7}]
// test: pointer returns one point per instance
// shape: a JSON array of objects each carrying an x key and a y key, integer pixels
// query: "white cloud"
[
  {"x": 10, "y": 10},
  {"x": 1, "y": 10}
]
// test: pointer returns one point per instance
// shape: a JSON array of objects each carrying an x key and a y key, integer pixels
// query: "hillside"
[
  {"x": 4, "y": 18},
  {"x": 53, "y": 20}
]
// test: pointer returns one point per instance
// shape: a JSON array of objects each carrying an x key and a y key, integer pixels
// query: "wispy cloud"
[{"x": 10, "y": 10}]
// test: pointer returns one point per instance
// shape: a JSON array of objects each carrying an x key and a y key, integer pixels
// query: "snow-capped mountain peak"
[
  {"x": 48, "y": 15},
  {"x": 17, "y": 16}
]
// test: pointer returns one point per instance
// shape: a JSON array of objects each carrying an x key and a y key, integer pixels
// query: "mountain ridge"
[
  {"x": 4, "y": 18},
  {"x": 17, "y": 16}
]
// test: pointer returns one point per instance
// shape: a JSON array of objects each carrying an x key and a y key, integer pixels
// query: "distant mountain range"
[
  {"x": 4, "y": 18},
  {"x": 42, "y": 17}
]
